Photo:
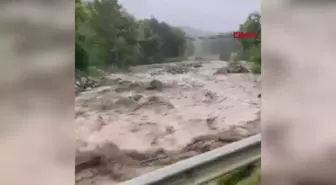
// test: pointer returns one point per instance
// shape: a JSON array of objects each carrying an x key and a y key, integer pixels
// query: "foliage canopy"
[{"x": 106, "y": 35}]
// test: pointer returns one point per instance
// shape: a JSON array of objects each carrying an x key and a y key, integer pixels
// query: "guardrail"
[{"x": 206, "y": 167}]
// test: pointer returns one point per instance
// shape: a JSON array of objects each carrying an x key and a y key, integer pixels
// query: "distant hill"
[{"x": 192, "y": 32}]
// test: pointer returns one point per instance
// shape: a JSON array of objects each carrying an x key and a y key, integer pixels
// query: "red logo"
[{"x": 240, "y": 35}]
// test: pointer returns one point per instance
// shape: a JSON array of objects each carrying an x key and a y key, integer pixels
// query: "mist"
[{"x": 211, "y": 15}]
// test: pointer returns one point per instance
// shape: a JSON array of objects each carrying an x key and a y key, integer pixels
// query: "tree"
[
  {"x": 160, "y": 41},
  {"x": 81, "y": 58},
  {"x": 252, "y": 46},
  {"x": 252, "y": 24},
  {"x": 81, "y": 55},
  {"x": 115, "y": 31},
  {"x": 109, "y": 36}
]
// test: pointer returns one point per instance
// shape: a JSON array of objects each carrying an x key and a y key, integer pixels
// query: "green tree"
[
  {"x": 106, "y": 35},
  {"x": 251, "y": 24},
  {"x": 81, "y": 58},
  {"x": 115, "y": 31},
  {"x": 160, "y": 41},
  {"x": 81, "y": 55},
  {"x": 252, "y": 46}
]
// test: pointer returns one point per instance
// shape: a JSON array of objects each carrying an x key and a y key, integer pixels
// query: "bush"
[
  {"x": 256, "y": 68},
  {"x": 253, "y": 179},
  {"x": 255, "y": 58},
  {"x": 81, "y": 57},
  {"x": 249, "y": 175}
]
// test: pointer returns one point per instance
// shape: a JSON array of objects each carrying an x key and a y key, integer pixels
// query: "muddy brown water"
[{"x": 134, "y": 125}]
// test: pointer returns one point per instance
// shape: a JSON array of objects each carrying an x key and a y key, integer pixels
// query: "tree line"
[{"x": 107, "y": 35}]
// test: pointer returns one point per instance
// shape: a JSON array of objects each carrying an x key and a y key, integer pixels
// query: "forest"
[{"x": 107, "y": 35}]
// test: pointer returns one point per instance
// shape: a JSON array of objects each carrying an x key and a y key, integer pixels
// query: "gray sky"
[{"x": 207, "y": 15}]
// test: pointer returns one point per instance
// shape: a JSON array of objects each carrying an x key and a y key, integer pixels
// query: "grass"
[
  {"x": 253, "y": 179},
  {"x": 256, "y": 68},
  {"x": 248, "y": 175}
]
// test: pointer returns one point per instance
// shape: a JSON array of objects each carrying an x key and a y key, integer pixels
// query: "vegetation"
[
  {"x": 248, "y": 49},
  {"x": 252, "y": 46},
  {"x": 249, "y": 175},
  {"x": 108, "y": 36}
]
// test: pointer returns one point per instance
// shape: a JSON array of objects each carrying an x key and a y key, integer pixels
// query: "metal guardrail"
[{"x": 205, "y": 167}]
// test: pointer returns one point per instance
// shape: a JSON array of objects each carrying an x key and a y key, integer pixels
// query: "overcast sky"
[{"x": 207, "y": 15}]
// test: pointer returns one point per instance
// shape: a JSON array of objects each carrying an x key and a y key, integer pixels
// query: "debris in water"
[{"x": 155, "y": 85}]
